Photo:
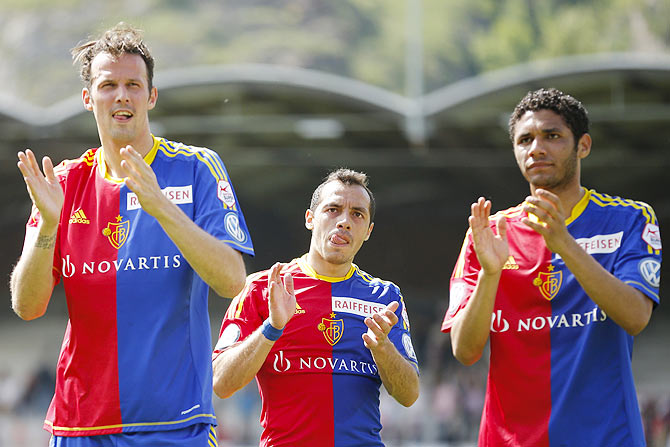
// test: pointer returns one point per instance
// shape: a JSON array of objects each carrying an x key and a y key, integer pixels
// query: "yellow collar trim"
[
  {"x": 309, "y": 271},
  {"x": 102, "y": 166},
  {"x": 577, "y": 210}
]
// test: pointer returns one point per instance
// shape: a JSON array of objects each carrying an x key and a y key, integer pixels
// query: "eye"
[
  {"x": 358, "y": 214},
  {"x": 524, "y": 140},
  {"x": 553, "y": 136}
]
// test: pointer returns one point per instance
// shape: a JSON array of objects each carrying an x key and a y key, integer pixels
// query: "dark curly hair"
[
  {"x": 121, "y": 39},
  {"x": 572, "y": 111},
  {"x": 348, "y": 177}
]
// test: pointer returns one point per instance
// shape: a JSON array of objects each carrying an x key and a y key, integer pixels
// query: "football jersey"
[
  {"x": 136, "y": 355},
  {"x": 319, "y": 384},
  {"x": 560, "y": 369}
]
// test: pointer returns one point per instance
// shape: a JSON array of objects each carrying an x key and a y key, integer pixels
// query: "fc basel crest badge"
[
  {"x": 549, "y": 283},
  {"x": 332, "y": 329},
  {"x": 117, "y": 232}
]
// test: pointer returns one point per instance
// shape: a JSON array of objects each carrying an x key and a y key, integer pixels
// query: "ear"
[
  {"x": 153, "y": 97},
  {"x": 86, "y": 98},
  {"x": 584, "y": 146},
  {"x": 367, "y": 236},
  {"x": 309, "y": 220}
]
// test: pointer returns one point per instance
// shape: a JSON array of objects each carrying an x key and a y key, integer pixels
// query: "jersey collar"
[
  {"x": 102, "y": 166},
  {"x": 309, "y": 271}
]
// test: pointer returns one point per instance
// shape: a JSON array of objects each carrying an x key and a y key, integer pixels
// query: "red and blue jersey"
[
  {"x": 560, "y": 369},
  {"x": 319, "y": 385},
  {"x": 137, "y": 349}
]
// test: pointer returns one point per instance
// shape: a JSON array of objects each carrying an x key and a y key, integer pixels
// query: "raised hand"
[
  {"x": 141, "y": 180},
  {"x": 550, "y": 222},
  {"x": 492, "y": 249},
  {"x": 281, "y": 300},
  {"x": 45, "y": 190},
  {"x": 379, "y": 325}
]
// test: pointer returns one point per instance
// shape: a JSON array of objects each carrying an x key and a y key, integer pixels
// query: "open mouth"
[
  {"x": 122, "y": 115},
  {"x": 339, "y": 239}
]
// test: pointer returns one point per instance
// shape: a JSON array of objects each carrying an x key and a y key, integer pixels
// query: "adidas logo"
[
  {"x": 298, "y": 309},
  {"x": 511, "y": 264},
  {"x": 79, "y": 217}
]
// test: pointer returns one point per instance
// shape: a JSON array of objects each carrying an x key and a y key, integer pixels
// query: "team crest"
[
  {"x": 549, "y": 283},
  {"x": 332, "y": 329},
  {"x": 117, "y": 232}
]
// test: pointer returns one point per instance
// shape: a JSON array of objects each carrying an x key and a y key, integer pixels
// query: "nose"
[
  {"x": 122, "y": 94},
  {"x": 344, "y": 223},
  {"x": 536, "y": 148}
]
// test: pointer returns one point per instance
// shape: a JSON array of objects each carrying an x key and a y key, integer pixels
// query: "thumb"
[
  {"x": 501, "y": 227},
  {"x": 288, "y": 283}
]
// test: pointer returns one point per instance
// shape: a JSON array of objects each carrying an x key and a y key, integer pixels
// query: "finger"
[
  {"x": 501, "y": 227},
  {"x": 288, "y": 283},
  {"x": 272, "y": 275},
  {"x": 368, "y": 341},
  {"x": 537, "y": 227},
  {"x": 48, "y": 167},
  {"x": 392, "y": 306},
  {"x": 32, "y": 165}
]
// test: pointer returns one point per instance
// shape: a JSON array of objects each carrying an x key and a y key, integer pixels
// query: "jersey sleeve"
[
  {"x": 217, "y": 209},
  {"x": 245, "y": 314},
  {"x": 639, "y": 261},
  {"x": 400, "y": 333},
  {"x": 463, "y": 281}
]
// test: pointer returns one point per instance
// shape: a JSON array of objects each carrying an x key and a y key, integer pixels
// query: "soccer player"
[
  {"x": 322, "y": 339},
  {"x": 136, "y": 229},
  {"x": 560, "y": 284}
]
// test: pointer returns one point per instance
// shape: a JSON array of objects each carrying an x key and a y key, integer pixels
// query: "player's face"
[
  {"x": 119, "y": 97},
  {"x": 545, "y": 150},
  {"x": 340, "y": 224}
]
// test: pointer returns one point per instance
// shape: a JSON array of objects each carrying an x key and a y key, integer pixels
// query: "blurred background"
[{"x": 415, "y": 93}]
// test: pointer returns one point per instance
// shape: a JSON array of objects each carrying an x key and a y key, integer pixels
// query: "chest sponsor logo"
[
  {"x": 225, "y": 193},
  {"x": 652, "y": 236},
  {"x": 232, "y": 223},
  {"x": 356, "y": 306},
  {"x": 281, "y": 364},
  {"x": 176, "y": 194},
  {"x": 650, "y": 269},
  {"x": 78, "y": 217},
  {"x": 117, "y": 232},
  {"x": 69, "y": 268},
  {"x": 500, "y": 324},
  {"x": 332, "y": 329},
  {"x": 549, "y": 282},
  {"x": 601, "y": 243}
]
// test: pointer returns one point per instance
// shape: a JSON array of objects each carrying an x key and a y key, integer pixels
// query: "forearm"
[
  {"x": 218, "y": 264},
  {"x": 625, "y": 305},
  {"x": 32, "y": 282},
  {"x": 472, "y": 327},
  {"x": 398, "y": 376},
  {"x": 236, "y": 366}
]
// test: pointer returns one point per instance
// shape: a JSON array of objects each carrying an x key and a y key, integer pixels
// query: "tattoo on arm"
[{"x": 46, "y": 242}]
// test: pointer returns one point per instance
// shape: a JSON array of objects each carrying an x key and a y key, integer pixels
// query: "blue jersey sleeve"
[
  {"x": 217, "y": 209},
  {"x": 639, "y": 260},
  {"x": 400, "y": 335}
]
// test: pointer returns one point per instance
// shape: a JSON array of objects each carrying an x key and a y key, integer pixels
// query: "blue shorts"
[{"x": 197, "y": 435}]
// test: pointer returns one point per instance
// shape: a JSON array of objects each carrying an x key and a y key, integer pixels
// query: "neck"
[
  {"x": 111, "y": 152},
  {"x": 325, "y": 268},
  {"x": 569, "y": 196}
]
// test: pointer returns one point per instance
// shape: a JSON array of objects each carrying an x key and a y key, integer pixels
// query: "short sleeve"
[
  {"x": 245, "y": 314},
  {"x": 463, "y": 281},
  {"x": 217, "y": 209},
  {"x": 639, "y": 260},
  {"x": 400, "y": 333}
]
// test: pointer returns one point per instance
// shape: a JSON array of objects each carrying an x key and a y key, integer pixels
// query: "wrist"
[{"x": 270, "y": 332}]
